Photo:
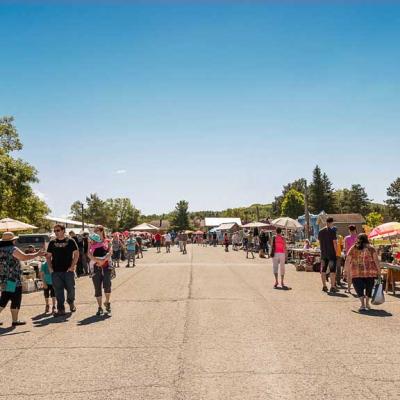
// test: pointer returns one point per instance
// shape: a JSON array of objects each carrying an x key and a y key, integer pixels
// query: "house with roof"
[
  {"x": 213, "y": 222},
  {"x": 342, "y": 221}
]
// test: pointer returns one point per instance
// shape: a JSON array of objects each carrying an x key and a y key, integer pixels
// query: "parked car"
[{"x": 37, "y": 240}]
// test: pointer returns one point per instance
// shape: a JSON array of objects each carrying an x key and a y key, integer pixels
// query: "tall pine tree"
[{"x": 180, "y": 221}]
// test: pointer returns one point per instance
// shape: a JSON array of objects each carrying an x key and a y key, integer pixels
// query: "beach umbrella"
[
  {"x": 390, "y": 229},
  {"x": 12, "y": 225},
  {"x": 287, "y": 223}
]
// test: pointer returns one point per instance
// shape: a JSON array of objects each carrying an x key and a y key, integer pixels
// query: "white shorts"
[{"x": 279, "y": 258}]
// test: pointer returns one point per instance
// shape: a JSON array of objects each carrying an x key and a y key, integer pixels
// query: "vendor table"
[{"x": 393, "y": 275}]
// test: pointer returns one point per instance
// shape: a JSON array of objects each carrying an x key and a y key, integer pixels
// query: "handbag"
[
  {"x": 11, "y": 286},
  {"x": 377, "y": 295}
]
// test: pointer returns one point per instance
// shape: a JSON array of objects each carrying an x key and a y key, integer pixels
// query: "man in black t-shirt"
[
  {"x": 62, "y": 257},
  {"x": 328, "y": 243}
]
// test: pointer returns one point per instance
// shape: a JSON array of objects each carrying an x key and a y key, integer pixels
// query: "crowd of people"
[{"x": 98, "y": 254}]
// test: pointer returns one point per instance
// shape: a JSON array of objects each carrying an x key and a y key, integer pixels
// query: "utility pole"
[
  {"x": 306, "y": 212},
  {"x": 83, "y": 217}
]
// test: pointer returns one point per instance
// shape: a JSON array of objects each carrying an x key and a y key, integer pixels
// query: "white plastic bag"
[{"x": 377, "y": 295}]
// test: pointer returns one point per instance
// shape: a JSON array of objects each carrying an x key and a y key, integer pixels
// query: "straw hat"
[{"x": 8, "y": 237}]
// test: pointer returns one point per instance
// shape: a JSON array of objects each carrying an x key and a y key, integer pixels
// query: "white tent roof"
[
  {"x": 145, "y": 227},
  {"x": 213, "y": 221}
]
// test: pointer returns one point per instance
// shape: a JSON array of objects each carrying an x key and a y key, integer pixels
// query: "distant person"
[
  {"x": 11, "y": 274},
  {"x": 278, "y": 254},
  {"x": 131, "y": 250},
  {"x": 167, "y": 240},
  {"x": 139, "y": 246},
  {"x": 116, "y": 249},
  {"x": 328, "y": 244},
  {"x": 157, "y": 240},
  {"x": 226, "y": 241},
  {"x": 362, "y": 268},
  {"x": 62, "y": 257}
]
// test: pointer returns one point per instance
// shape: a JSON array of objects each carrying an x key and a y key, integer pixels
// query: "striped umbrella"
[{"x": 387, "y": 230}]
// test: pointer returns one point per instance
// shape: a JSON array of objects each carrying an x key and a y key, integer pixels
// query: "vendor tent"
[
  {"x": 12, "y": 225},
  {"x": 145, "y": 227}
]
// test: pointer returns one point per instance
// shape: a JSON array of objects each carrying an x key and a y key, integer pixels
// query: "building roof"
[
  {"x": 342, "y": 218},
  {"x": 213, "y": 221},
  {"x": 165, "y": 224},
  {"x": 67, "y": 221},
  {"x": 226, "y": 226}
]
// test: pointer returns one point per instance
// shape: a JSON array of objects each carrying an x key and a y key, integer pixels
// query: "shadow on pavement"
[
  {"x": 374, "y": 313},
  {"x": 40, "y": 316},
  {"x": 93, "y": 319},
  {"x": 51, "y": 320},
  {"x": 338, "y": 295}
]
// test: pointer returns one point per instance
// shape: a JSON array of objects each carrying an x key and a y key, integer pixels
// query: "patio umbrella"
[
  {"x": 9, "y": 224},
  {"x": 390, "y": 229},
  {"x": 287, "y": 223},
  {"x": 255, "y": 225}
]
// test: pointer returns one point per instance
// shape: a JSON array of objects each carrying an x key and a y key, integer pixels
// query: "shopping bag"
[
  {"x": 377, "y": 295},
  {"x": 11, "y": 286}
]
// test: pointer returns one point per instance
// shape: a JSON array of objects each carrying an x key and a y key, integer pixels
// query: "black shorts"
[
  {"x": 328, "y": 263},
  {"x": 15, "y": 298},
  {"x": 49, "y": 292},
  {"x": 101, "y": 279},
  {"x": 363, "y": 286}
]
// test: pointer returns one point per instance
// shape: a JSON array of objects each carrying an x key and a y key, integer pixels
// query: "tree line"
[{"x": 18, "y": 200}]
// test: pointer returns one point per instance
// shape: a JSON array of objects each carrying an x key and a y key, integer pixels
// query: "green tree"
[
  {"x": 393, "y": 202},
  {"x": 321, "y": 193},
  {"x": 293, "y": 204},
  {"x": 353, "y": 200},
  {"x": 373, "y": 219},
  {"x": 276, "y": 207},
  {"x": 180, "y": 220},
  {"x": 17, "y": 198}
]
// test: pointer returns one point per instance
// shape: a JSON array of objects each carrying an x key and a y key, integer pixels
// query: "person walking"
[
  {"x": 62, "y": 257},
  {"x": 278, "y": 254},
  {"x": 328, "y": 244},
  {"x": 139, "y": 246},
  {"x": 157, "y": 240},
  {"x": 48, "y": 289},
  {"x": 226, "y": 241},
  {"x": 167, "y": 240},
  {"x": 131, "y": 250},
  {"x": 362, "y": 267},
  {"x": 116, "y": 249},
  {"x": 349, "y": 242},
  {"x": 11, "y": 274},
  {"x": 100, "y": 254}
]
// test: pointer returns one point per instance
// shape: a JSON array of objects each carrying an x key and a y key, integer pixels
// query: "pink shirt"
[
  {"x": 349, "y": 242},
  {"x": 280, "y": 244}
]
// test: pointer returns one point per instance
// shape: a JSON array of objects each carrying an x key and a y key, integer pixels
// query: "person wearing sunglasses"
[{"x": 62, "y": 257}]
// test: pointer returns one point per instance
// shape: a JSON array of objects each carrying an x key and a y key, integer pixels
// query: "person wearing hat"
[
  {"x": 99, "y": 254},
  {"x": 10, "y": 274}
]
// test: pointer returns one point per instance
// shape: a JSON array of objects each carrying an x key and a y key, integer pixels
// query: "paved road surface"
[{"x": 207, "y": 325}]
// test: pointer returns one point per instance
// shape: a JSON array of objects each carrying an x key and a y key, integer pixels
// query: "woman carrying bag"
[
  {"x": 10, "y": 274},
  {"x": 363, "y": 268}
]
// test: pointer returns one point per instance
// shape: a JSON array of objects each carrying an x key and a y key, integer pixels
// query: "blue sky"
[{"x": 219, "y": 104}]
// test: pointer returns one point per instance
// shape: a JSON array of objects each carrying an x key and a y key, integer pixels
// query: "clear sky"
[{"x": 218, "y": 104}]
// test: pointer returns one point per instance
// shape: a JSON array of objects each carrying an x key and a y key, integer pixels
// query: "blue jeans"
[{"x": 64, "y": 281}]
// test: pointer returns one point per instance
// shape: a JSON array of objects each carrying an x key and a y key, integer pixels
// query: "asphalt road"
[{"x": 206, "y": 325}]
